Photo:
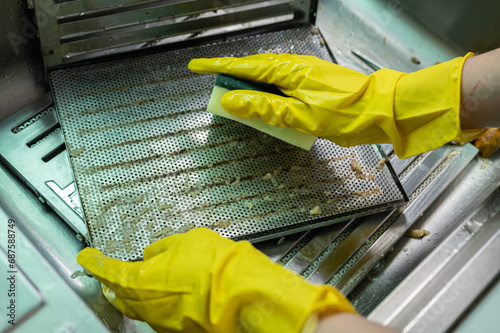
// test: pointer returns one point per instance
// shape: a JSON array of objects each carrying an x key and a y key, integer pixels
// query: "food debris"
[
  {"x": 249, "y": 204},
  {"x": 84, "y": 272},
  {"x": 130, "y": 248},
  {"x": 268, "y": 176},
  {"x": 281, "y": 186},
  {"x": 268, "y": 198},
  {"x": 76, "y": 152},
  {"x": 296, "y": 168},
  {"x": 315, "y": 211},
  {"x": 314, "y": 31},
  {"x": 415, "y": 60},
  {"x": 79, "y": 237},
  {"x": 457, "y": 142},
  {"x": 381, "y": 163},
  {"x": 237, "y": 181},
  {"x": 164, "y": 206},
  {"x": 136, "y": 199},
  {"x": 338, "y": 181},
  {"x": 199, "y": 189},
  {"x": 162, "y": 233},
  {"x": 222, "y": 224},
  {"x": 322, "y": 42},
  {"x": 123, "y": 217},
  {"x": 149, "y": 227},
  {"x": 418, "y": 233},
  {"x": 281, "y": 240},
  {"x": 126, "y": 238},
  {"x": 186, "y": 227},
  {"x": 368, "y": 193},
  {"x": 405, "y": 250},
  {"x": 357, "y": 169},
  {"x": 488, "y": 143}
]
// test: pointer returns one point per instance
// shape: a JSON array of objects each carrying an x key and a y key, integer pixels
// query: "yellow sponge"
[{"x": 224, "y": 83}]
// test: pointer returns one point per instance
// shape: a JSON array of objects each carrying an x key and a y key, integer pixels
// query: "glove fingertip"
[
  {"x": 241, "y": 103},
  {"x": 87, "y": 253},
  {"x": 196, "y": 65}
]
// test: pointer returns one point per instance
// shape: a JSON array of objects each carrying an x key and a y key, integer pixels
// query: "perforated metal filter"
[{"x": 149, "y": 161}]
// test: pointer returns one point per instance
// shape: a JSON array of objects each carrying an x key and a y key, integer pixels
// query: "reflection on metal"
[
  {"x": 367, "y": 226},
  {"x": 310, "y": 252},
  {"x": 370, "y": 62},
  {"x": 69, "y": 195},
  {"x": 401, "y": 165},
  {"x": 82, "y": 29},
  {"x": 431, "y": 160},
  {"x": 32, "y": 145},
  {"x": 277, "y": 248},
  {"x": 45, "y": 254}
]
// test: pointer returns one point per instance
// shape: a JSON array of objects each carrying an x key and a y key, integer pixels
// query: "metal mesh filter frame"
[{"x": 149, "y": 161}]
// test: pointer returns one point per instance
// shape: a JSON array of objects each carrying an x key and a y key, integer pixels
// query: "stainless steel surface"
[
  {"x": 46, "y": 250},
  {"x": 319, "y": 243},
  {"x": 370, "y": 62},
  {"x": 404, "y": 222},
  {"x": 382, "y": 31},
  {"x": 276, "y": 249},
  {"x": 474, "y": 185},
  {"x": 77, "y": 30},
  {"x": 423, "y": 301},
  {"x": 478, "y": 35},
  {"x": 139, "y": 123},
  {"x": 32, "y": 144},
  {"x": 22, "y": 78}
]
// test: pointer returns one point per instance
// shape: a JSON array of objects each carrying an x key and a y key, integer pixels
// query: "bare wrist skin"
[
  {"x": 348, "y": 322},
  {"x": 480, "y": 98}
]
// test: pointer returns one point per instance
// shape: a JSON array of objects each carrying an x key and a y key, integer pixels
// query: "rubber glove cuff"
[{"x": 436, "y": 92}]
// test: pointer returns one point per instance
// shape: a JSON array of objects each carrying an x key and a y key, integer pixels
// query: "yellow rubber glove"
[
  {"x": 414, "y": 112},
  {"x": 202, "y": 282}
]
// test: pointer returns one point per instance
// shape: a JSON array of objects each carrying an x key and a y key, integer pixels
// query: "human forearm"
[
  {"x": 480, "y": 88},
  {"x": 347, "y": 322}
]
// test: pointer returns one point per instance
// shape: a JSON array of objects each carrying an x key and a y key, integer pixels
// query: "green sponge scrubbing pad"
[{"x": 224, "y": 83}]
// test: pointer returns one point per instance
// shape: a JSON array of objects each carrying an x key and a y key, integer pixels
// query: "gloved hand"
[
  {"x": 415, "y": 112},
  {"x": 202, "y": 282}
]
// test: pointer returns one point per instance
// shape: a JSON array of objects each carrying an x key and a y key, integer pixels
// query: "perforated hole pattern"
[{"x": 149, "y": 161}]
